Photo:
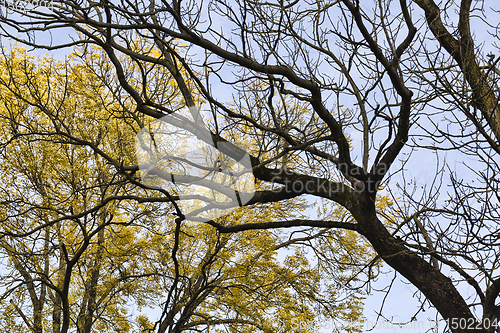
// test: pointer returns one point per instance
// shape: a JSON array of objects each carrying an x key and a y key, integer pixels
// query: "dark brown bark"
[
  {"x": 437, "y": 287},
  {"x": 463, "y": 52}
]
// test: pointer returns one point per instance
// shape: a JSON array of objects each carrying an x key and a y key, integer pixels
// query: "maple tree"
[
  {"x": 86, "y": 246},
  {"x": 331, "y": 100}
]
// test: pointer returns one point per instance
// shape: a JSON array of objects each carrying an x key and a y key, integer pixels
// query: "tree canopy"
[{"x": 330, "y": 106}]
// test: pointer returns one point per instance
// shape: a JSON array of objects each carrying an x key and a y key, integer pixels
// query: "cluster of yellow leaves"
[{"x": 53, "y": 116}]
